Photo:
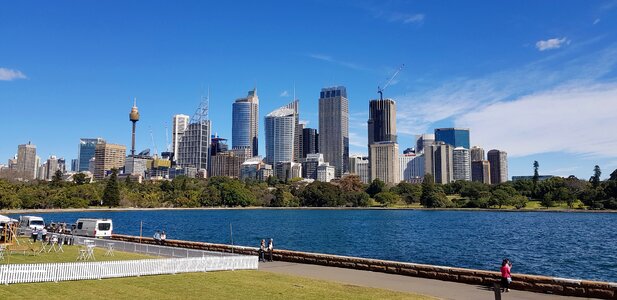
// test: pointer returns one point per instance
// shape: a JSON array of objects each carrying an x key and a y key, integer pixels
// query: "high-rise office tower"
[
  {"x": 280, "y": 128},
  {"x": 456, "y": 137},
  {"x": 423, "y": 141},
  {"x": 310, "y": 141},
  {"x": 85, "y": 152},
  {"x": 499, "y": 166},
  {"x": 179, "y": 125},
  {"x": 51, "y": 166},
  {"x": 74, "y": 165},
  {"x": 310, "y": 164},
  {"x": 297, "y": 136},
  {"x": 411, "y": 166},
  {"x": 26, "y": 161},
  {"x": 461, "y": 164},
  {"x": 334, "y": 127},
  {"x": 384, "y": 163},
  {"x": 481, "y": 171},
  {"x": 382, "y": 129},
  {"x": 477, "y": 153},
  {"x": 358, "y": 165},
  {"x": 218, "y": 145},
  {"x": 245, "y": 120},
  {"x": 382, "y": 121},
  {"x": 107, "y": 157},
  {"x": 194, "y": 146},
  {"x": 440, "y": 158}
]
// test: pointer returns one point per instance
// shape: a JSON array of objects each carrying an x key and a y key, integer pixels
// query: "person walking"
[
  {"x": 34, "y": 235},
  {"x": 270, "y": 250},
  {"x": 157, "y": 237},
  {"x": 506, "y": 278},
  {"x": 262, "y": 251}
]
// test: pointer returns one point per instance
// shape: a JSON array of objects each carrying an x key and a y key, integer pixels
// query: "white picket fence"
[{"x": 54, "y": 272}]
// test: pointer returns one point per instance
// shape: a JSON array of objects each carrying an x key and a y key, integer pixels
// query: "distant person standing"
[
  {"x": 44, "y": 234},
  {"x": 34, "y": 235},
  {"x": 506, "y": 278},
  {"x": 163, "y": 237},
  {"x": 262, "y": 251},
  {"x": 270, "y": 249},
  {"x": 157, "y": 237}
]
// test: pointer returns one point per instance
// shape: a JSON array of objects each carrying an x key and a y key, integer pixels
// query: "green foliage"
[
  {"x": 499, "y": 197},
  {"x": 595, "y": 179},
  {"x": 321, "y": 194},
  {"x": 410, "y": 193},
  {"x": 376, "y": 187},
  {"x": 387, "y": 198},
  {"x": 432, "y": 196},
  {"x": 547, "y": 201},
  {"x": 351, "y": 183},
  {"x": 79, "y": 178},
  {"x": 56, "y": 180},
  {"x": 356, "y": 199},
  {"x": 111, "y": 194}
]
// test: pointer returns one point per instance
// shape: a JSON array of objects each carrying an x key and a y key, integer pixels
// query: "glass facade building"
[
  {"x": 85, "y": 152},
  {"x": 245, "y": 114},
  {"x": 334, "y": 127},
  {"x": 455, "y": 137},
  {"x": 280, "y": 135}
]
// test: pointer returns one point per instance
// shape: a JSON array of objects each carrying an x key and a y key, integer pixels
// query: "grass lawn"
[
  {"x": 211, "y": 285},
  {"x": 70, "y": 255}
]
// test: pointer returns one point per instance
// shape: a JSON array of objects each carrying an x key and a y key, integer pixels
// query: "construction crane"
[
  {"x": 385, "y": 86},
  {"x": 156, "y": 151}
]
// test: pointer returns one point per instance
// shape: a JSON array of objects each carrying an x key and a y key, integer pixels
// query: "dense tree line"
[{"x": 347, "y": 192}]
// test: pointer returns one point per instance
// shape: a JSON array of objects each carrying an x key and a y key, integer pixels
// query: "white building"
[
  {"x": 358, "y": 165},
  {"x": 179, "y": 123},
  {"x": 325, "y": 172},
  {"x": 411, "y": 166},
  {"x": 280, "y": 138},
  {"x": 461, "y": 164}
]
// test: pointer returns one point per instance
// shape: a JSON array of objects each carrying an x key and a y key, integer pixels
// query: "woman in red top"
[{"x": 506, "y": 265}]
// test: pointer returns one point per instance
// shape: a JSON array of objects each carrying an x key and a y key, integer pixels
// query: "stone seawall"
[{"x": 560, "y": 286}]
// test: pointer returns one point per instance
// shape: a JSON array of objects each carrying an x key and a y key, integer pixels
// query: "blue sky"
[{"x": 534, "y": 78}]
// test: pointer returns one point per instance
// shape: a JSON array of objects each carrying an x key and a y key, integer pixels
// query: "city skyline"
[{"x": 532, "y": 65}]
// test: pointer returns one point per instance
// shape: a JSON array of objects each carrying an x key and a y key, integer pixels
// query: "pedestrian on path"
[
  {"x": 157, "y": 237},
  {"x": 506, "y": 278},
  {"x": 163, "y": 237},
  {"x": 262, "y": 251},
  {"x": 270, "y": 249}
]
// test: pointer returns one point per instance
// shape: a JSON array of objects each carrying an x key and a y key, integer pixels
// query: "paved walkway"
[{"x": 431, "y": 287}]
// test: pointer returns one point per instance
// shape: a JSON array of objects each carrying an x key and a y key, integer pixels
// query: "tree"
[
  {"x": 79, "y": 178},
  {"x": 547, "y": 201},
  {"x": 613, "y": 176},
  {"x": 56, "y": 180},
  {"x": 432, "y": 196},
  {"x": 387, "y": 198},
  {"x": 111, "y": 194},
  {"x": 376, "y": 187},
  {"x": 536, "y": 175},
  {"x": 321, "y": 194},
  {"x": 519, "y": 201},
  {"x": 351, "y": 183},
  {"x": 410, "y": 193},
  {"x": 356, "y": 199},
  {"x": 500, "y": 197},
  {"x": 595, "y": 179}
]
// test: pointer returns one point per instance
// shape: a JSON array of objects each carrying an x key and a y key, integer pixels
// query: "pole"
[
  {"x": 141, "y": 225},
  {"x": 231, "y": 236}
]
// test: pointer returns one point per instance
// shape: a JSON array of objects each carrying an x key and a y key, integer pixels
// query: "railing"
[{"x": 54, "y": 272}]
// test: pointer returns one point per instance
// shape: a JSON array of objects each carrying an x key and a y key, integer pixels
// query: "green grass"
[
  {"x": 70, "y": 255},
  {"x": 211, "y": 285}
]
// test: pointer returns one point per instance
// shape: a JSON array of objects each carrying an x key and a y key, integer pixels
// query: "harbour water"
[{"x": 569, "y": 245}]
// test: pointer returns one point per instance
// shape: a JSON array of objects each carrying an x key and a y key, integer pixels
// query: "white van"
[
  {"x": 27, "y": 223},
  {"x": 99, "y": 228}
]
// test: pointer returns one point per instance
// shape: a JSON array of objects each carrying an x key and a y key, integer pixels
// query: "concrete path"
[{"x": 435, "y": 288}]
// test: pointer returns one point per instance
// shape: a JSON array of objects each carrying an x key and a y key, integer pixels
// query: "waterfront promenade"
[{"x": 429, "y": 287}]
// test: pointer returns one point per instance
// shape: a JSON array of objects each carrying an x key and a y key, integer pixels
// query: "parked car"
[
  {"x": 28, "y": 223},
  {"x": 99, "y": 228}
]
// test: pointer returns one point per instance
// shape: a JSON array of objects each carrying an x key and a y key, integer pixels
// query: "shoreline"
[{"x": 121, "y": 209}]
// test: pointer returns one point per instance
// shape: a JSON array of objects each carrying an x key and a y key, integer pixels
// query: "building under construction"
[{"x": 194, "y": 146}]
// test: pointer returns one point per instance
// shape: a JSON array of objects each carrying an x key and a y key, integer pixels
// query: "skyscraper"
[
  {"x": 245, "y": 120},
  {"x": 411, "y": 166},
  {"x": 384, "y": 163},
  {"x": 441, "y": 159},
  {"x": 358, "y": 165},
  {"x": 194, "y": 146},
  {"x": 456, "y": 137},
  {"x": 477, "y": 153},
  {"x": 461, "y": 164},
  {"x": 51, "y": 167},
  {"x": 179, "y": 125},
  {"x": 334, "y": 127},
  {"x": 85, "y": 152},
  {"x": 26, "y": 161},
  {"x": 382, "y": 121},
  {"x": 107, "y": 157},
  {"x": 382, "y": 130},
  {"x": 310, "y": 141},
  {"x": 481, "y": 171},
  {"x": 280, "y": 128},
  {"x": 423, "y": 141},
  {"x": 499, "y": 166}
]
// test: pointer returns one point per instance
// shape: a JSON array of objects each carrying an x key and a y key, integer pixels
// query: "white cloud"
[
  {"x": 596, "y": 21},
  {"x": 284, "y": 94},
  {"x": 549, "y": 44},
  {"x": 573, "y": 118},
  {"x": 405, "y": 18},
  {"x": 9, "y": 74},
  {"x": 330, "y": 59}
]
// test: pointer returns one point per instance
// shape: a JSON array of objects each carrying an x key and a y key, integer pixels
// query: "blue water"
[{"x": 570, "y": 245}]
